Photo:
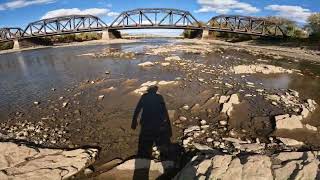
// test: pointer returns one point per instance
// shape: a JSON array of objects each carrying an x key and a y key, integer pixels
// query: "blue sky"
[{"x": 21, "y": 12}]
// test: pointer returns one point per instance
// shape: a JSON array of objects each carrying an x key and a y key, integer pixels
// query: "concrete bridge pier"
[
  {"x": 110, "y": 34},
  {"x": 16, "y": 44},
  {"x": 205, "y": 34}
]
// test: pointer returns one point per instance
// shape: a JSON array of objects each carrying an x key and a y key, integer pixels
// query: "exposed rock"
[
  {"x": 311, "y": 128},
  {"x": 259, "y": 68},
  {"x": 172, "y": 58},
  {"x": 288, "y": 122},
  {"x": 22, "y": 162},
  {"x": 191, "y": 129},
  {"x": 100, "y": 97},
  {"x": 145, "y": 64},
  {"x": 290, "y": 142},
  {"x": 133, "y": 168},
  {"x": 285, "y": 165},
  {"x": 227, "y": 107},
  {"x": 165, "y": 64},
  {"x": 133, "y": 164}
]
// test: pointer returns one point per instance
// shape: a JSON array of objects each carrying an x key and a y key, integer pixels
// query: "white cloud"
[
  {"x": 76, "y": 11},
  {"x": 226, "y": 6},
  {"x": 295, "y": 13},
  {"x": 15, "y": 4}
]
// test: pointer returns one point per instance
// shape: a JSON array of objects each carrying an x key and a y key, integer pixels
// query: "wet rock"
[
  {"x": 22, "y": 162},
  {"x": 288, "y": 122},
  {"x": 291, "y": 142}
]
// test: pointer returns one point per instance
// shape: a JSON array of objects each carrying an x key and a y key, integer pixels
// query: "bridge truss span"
[
  {"x": 10, "y": 33},
  {"x": 64, "y": 25},
  {"x": 245, "y": 25},
  {"x": 155, "y": 18}
]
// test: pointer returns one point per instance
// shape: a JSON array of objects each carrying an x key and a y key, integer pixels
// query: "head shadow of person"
[{"x": 155, "y": 130}]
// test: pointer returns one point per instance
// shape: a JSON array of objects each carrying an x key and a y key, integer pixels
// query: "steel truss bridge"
[{"x": 151, "y": 18}]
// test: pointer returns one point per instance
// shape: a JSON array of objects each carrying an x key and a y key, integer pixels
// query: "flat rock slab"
[
  {"x": 22, "y": 162},
  {"x": 138, "y": 169},
  {"x": 285, "y": 165}
]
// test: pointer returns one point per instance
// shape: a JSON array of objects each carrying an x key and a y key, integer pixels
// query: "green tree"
[{"x": 314, "y": 22}]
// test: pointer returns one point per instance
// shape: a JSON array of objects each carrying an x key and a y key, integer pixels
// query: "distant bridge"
[{"x": 150, "y": 18}]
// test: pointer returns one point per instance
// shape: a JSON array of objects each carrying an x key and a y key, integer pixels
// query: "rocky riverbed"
[{"x": 224, "y": 102}]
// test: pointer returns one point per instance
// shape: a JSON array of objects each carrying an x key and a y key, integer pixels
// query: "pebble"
[
  {"x": 100, "y": 97},
  {"x": 209, "y": 140},
  {"x": 182, "y": 118},
  {"x": 203, "y": 122},
  {"x": 186, "y": 107},
  {"x": 223, "y": 123},
  {"x": 36, "y": 103},
  {"x": 65, "y": 104}
]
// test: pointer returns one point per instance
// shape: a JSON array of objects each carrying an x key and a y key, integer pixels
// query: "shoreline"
[
  {"x": 84, "y": 43},
  {"x": 291, "y": 52}
]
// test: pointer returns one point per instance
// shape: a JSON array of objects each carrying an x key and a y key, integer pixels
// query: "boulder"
[
  {"x": 22, "y": 162},
  {"x": 288, "y": 122},
  {"x": 284, "y": 165}
]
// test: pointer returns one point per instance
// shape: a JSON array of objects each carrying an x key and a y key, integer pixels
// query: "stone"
[
  {"x": 36, "y": 103},
  {"x": 291, "y": 142},
  {"x": 304, "y": 112},
  {"x": 234, "y": 99},
  {"x": 100, "y": 97},
  {"x": 191, "y": 129},
  {"x": 259, "y": 68},
  {"x": 288, "y": 122},
  {"x": 311, "y": 128},
  {"x": 152, "y": 165},
  {"x": 145, "y": 64},
  {"x": 182, "y": 118},
  {"x": 165, "y": 64},
  {"x": 65, "y": 104},
  {"x": 186, "y": 107},
  {"x": 22, "y": 162},
  {"x": 203, "y": 122},
  {"x": 172, "y": 58},
  {"x": 223, "y": 99},
  {"x": 88, "y": 171},
  {"x": 209, "y": 140},
  {"x": 223, "y": 123},
  {"x": 284, "y": 165}
]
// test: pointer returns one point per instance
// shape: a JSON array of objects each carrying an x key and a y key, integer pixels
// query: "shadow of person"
[{"x": 155, "y": 130}]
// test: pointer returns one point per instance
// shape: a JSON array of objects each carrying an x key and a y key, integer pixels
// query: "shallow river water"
[{"x": 45, "y": 75}]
